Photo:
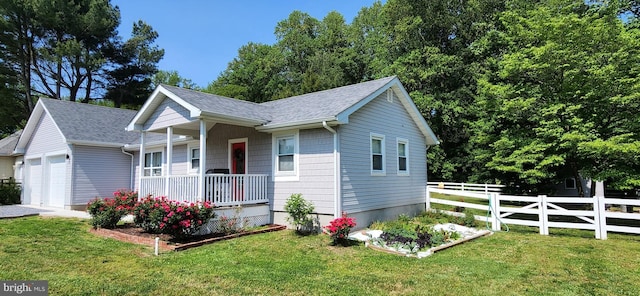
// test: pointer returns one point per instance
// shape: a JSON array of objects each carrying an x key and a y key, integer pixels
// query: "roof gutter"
[
  {"x": 311, "y": 123},
  {"x": 337, "y": 202}
]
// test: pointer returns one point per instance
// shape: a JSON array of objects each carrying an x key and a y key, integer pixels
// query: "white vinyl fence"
[{"x": 590, "y": 212}]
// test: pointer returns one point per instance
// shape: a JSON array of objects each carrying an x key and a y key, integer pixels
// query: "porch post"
[
  {"x": 169, "y": 161},
  {"x": 141, "y": 165},
  {"x": 203, "y": 160}
]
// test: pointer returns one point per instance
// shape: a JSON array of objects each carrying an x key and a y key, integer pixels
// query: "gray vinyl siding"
[
  {"x": 46, "y": 138},
  {"x": 167, "y": 114},
  {"x": 360, "y": 190},
  {"x": 316, "y": 175},
  {"x": 98, "y": 172}
]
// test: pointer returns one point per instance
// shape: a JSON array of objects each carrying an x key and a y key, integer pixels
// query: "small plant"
[
  {"x": 404, "y": 218},
  {"x": 299, "y": 211},
  {"x": 107, "y": 212},
  {"x": 233, "y": 224},
  {"x": 339, "y": 229},
  {"x": 469, "y": 219}
]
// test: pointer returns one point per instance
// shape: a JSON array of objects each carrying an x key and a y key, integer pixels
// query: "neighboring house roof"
[
  {"x": 83, "y": 124},
  {"x": 331, "y": 106},
  {"x": 8, "y": 144}
]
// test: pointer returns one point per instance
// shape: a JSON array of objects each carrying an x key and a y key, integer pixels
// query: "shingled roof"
[
  {"x": 219, "y": 105},
  {"x": 332, "y": 106},
  {"x": 8, "y": 144},
  {"x": 318, "y": 106},
  {"x": 97, "y": 125},
  {"x": 321, "y": 105},
  {"x": 81, "y": 123},
  {"x": 90, "y": 123}
]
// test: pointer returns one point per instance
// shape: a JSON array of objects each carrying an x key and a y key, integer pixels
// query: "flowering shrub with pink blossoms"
[
  {"x": 178, "y": 219},
  {"x": 339, "y": 228},
  {"x": 107, "y": 212}
]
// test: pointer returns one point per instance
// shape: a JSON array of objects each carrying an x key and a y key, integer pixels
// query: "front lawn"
[{"x": 520, "y": 262}]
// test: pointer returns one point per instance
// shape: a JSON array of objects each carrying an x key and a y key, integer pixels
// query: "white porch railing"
[{"x": 221, "y": 190}]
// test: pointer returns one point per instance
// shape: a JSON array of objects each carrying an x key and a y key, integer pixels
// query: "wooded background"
[{"x": 519, "y": 92}]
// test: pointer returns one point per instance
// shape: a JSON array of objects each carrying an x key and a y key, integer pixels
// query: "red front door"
[
  {"x": 238, "y": 157},
  {"x": 238, "y": 165}
]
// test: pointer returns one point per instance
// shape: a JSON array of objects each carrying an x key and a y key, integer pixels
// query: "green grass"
[{"x": 520, "y": 262}]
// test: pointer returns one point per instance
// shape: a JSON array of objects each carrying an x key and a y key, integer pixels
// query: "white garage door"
[
  {"x": 56, "y": 180},
  {"x": 33, "y": 186}
]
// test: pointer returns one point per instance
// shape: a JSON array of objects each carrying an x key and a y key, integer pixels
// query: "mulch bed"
[{"x": 131, "y": 234}]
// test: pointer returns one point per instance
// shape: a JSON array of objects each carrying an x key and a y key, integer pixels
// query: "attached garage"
[{"x": 73, "y": 153}]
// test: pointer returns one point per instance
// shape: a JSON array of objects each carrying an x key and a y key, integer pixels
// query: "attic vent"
[{"x": 389, "y": 95}]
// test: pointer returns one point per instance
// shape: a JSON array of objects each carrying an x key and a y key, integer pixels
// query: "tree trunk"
[
  {"x": 58, "y": 70},
  {"x": 87, "y": 95}
]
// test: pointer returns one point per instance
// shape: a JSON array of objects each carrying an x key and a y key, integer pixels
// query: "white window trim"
[
  {"x": 383, "y": 172},
  {"x": 406, "y": 151},
  {"x": 286, "y": 175},
  {"x": 191, "y": 146},
  {"x": 162, "y": 162}
]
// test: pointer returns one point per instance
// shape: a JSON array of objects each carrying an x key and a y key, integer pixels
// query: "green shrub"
[
  {"x": 10, "y": 193},
  {"x": 107, "y": 212},
  {"x": 299, "y": 211},
  {"x": 178, "y": 219}
]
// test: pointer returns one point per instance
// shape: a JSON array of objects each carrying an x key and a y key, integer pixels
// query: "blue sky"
[{"x": 201, "y": 37}]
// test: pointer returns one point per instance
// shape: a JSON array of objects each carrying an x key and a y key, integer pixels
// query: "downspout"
[
  {"x": 337, "y": 202},
  {"x": 427, "y": 197},
  {"x": 132, "y": 167}
]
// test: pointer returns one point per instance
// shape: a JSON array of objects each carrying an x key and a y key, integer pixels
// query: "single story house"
[{"x": 358, "y": 149}]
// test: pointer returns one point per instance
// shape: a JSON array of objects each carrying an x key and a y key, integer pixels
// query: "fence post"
[
  {"x": 596, "y": 217},
  {"x": 495, "y": 211},
  {"x": 544, "y": 218},
  {"x": 602, "y": 213},
  {"x": 461, "y": 186}
]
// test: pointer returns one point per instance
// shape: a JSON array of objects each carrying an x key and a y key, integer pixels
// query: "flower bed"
[
  {"x": 374, "y": 240},
  {"x": 420, "y": 236},
  {"x": 137, "y": 235}
]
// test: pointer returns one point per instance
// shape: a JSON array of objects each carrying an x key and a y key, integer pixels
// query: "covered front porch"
[{"x": 197, "y": 147}]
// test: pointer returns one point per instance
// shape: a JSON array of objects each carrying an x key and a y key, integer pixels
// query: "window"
[
  {"x": 377, "y": 154},
  {"x": 153, "y": 163},
  {"x": 285, "y": 152},
  {"x": 194, "y": 158},
  {"x": 403, "y": 157},
  {"x": 570, "y": 183}
]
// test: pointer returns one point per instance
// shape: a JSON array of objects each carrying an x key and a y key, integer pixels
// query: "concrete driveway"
[{"x": 15, "y": 211}]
